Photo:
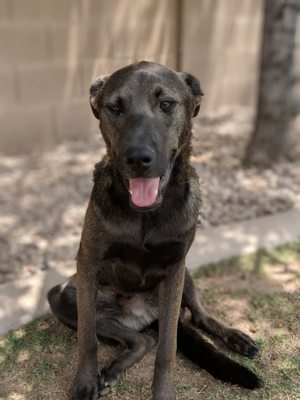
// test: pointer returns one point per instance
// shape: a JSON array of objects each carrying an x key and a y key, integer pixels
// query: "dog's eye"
[
  {"x": 115, "y": 109},
  {"x": 167, "y": 105}
]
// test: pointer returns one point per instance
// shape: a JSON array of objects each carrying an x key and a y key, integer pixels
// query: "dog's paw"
[
  {"x": 86, "y": 391},
  {"x": 106, "y": 380},
  {"x": 241, "y": 343}
]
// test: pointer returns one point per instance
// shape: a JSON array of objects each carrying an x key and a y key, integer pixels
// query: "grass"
[{"x": 259, "y": 294}]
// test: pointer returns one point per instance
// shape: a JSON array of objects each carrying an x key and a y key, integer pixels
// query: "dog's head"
[{"x": 145, "y": 113}]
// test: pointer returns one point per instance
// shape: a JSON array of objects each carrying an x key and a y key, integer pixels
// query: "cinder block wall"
[
  {"x": 221, "y": 44},
  {"x": 50, "y": 50}
]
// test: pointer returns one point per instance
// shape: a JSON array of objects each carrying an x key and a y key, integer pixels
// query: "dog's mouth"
[
  {"x": 146, "y": 193},
  {"x": 143, "y": 191}
]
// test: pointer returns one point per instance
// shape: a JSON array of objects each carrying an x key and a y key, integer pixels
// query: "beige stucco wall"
[{"x": 51, "y": 50}]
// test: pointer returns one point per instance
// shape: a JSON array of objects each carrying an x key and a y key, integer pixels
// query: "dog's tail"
[{"x": 204, "y": 354}]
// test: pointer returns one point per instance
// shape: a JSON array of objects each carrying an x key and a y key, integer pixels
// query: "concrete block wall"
[
  {"x": 221, "y": 45},
  {"x": 50, "y": 50}
]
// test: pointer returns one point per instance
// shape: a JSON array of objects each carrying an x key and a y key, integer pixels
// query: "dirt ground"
[
  {"x": 259, "y": 293},
  {"x": 44, "y": 196}
]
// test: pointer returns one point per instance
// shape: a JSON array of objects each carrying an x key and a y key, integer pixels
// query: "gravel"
[{"x": 44, "y": 196}]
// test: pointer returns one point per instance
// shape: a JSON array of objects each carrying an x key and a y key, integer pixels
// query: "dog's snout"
[{"x": 139, "y": 157}]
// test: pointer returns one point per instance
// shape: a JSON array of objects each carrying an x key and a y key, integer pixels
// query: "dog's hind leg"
[
  {"x": 135, "y": 346},
  {"x": 62, "y": 299},
  {"x": 234, "y": 339}
]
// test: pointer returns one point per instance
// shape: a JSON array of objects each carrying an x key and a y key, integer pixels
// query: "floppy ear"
[
  {"x": 194, "y": 87},
  {"x": 95, "y": 91}
]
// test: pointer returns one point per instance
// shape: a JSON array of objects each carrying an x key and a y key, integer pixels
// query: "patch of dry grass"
[{"x": 258, "y": 293}]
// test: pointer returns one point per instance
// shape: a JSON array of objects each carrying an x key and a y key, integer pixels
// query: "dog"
[{"x": 139, "y": 225}]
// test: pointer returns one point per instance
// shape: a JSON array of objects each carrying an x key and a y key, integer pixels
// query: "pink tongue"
[{"x": 143, "y": 191}]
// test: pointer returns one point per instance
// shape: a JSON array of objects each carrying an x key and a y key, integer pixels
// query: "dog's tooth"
[{"x": 130, "y": 191}]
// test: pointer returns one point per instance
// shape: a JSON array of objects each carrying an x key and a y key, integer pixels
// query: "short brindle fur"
[{"x": 131, "y": 260}]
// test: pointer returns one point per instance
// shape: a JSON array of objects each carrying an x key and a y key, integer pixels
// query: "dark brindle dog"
[{"x": 139, "y": 225}]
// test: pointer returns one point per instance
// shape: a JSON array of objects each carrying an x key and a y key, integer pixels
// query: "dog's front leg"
[
  {"x": 85, "y": 385},
  {"x": 170, "y": 295}
]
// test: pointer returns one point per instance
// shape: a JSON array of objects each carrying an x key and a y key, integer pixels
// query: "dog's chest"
[{"x": 130, "y": 268}]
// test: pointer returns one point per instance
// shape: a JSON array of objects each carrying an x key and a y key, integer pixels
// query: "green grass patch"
[{"x": 254, "y": 263}]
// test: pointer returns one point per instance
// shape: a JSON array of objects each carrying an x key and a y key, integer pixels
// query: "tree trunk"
[{"x": 270, "y": 139}]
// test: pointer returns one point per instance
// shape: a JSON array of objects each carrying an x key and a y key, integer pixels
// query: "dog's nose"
[{"x": 139, "y": 157}]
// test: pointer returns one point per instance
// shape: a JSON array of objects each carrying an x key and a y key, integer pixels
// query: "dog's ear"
[
  {"x": 95, "y": 91},
  {"x": 195, "y": 89}
]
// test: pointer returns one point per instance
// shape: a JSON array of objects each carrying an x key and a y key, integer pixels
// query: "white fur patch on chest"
[{"x": 138, "y": 313}]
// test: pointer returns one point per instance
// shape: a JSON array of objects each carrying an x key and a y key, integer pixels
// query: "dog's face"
[{"x": 145, "y": 113}]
